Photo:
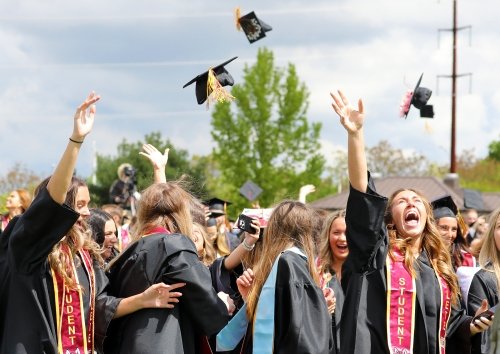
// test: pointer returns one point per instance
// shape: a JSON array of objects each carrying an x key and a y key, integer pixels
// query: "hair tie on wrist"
[{"x": 75, "y": 141}]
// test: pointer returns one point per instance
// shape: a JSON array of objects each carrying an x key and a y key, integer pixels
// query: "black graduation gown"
[
  {"x": 363, "y": 325},
  {"x": 302, "y": 323},
  {"x": 483, "y": 286},
  {"x": 27, "y": 301},
  {"x": 337, "y": 315},
  {"x": 168, "y": 258}
]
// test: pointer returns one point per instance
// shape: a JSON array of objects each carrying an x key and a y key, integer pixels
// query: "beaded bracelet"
[{"x": 246, "y": 246}]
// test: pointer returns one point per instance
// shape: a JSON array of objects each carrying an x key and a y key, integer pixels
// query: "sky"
[{"x": 138, "y": 54}]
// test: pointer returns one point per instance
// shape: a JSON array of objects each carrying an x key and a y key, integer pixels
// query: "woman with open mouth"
[{"x": 402, "y": 295}]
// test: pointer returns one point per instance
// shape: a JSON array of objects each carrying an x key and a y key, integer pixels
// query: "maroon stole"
[
  {"x": 5, "y": 221},
  {"x": 468, "y": 259},
  {"x": 401, "y": 305},
  {"x": 156, "y": 230},
  {"x": 74, "y": 335}
]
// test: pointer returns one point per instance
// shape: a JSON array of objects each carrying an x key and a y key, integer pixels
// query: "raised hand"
[
  {"x": 158, "y": 159},
  {"x": 350, "y": 118},
  {"x": 304, "y": 191},
  {"x": 84, "y": 118},
  {"x": 252, "y": 238}
]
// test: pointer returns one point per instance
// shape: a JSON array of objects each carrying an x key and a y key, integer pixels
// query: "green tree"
[
  {"x": 494, "y": 150},
  {"x": 267, "y": 138},
  {"x": 179, "y": 165}
]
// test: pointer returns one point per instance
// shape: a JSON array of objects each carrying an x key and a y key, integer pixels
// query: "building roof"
[{"x": 431, "y": 187}]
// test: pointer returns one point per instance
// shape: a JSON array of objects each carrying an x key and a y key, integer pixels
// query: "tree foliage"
[
  {"x": 19, "y": 176},
  {"x": 494, "y": 150},
  {"x": 267, "y": 138},
  {"x": 178, "y": 166}
]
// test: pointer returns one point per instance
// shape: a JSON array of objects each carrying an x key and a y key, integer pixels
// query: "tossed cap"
[
  {"x": 217, "y": 206},
  {"x": 417, "y": 98},
  {"x": 211, "y": 82},
  {"x": 473, "y": 199},
  {"x": 253, "y": 27},
  {"x": 444, "y": 207},
  {"x": 250, "y": 190},
  {"x": 427, "y": 111}
]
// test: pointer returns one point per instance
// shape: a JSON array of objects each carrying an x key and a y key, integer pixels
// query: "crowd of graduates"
[{"x": 159, "y": 271}]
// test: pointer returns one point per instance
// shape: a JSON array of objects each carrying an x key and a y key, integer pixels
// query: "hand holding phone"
[
  {"x": 488, "y": 314},
  {"x": 245, "y": 223}
]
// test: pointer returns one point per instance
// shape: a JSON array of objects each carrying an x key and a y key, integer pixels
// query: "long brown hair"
[
  {"x": 77, "y": 238},
  {"x": 325, "y": 251},
  {"x": 489, "y": 256},
  {"x": 431, "y": 242},
  {"x": 291, "y": 224},
  {"x": 164, "y": 204},
  {"x": 208, "y": 254}
]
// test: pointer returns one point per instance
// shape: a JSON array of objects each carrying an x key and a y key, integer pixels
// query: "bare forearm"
[
  {"x": 61, "y": 178},
  {"x": 356, "y": 158},
  {"x": 129, "y": 305},
  {"x": 234, "y": 258}
]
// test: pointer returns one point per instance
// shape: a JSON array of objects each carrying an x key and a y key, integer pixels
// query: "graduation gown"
[
  {"x": 483, "y": 286},
  {"x": 302, "y": 323},
  {"x": 168, "y": 258},
  {"x": 27, "y": 305},
  {"x": 363, "y": 325}
]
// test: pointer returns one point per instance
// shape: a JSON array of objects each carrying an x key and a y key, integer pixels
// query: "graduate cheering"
[
  {"x": 53, "y": 297},
  {"x": 401, "y": 291}
]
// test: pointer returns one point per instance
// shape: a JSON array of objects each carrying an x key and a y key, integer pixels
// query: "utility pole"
[{"x": 454, "y": 75}]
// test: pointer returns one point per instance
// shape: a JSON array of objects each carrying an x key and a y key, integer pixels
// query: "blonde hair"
[
  {"x": 325, "y": 252},
  {"x": 164, "y": 204},
  {"x": 208, "y": 256},
  {"x": 291, "y": 223},
  {"x": 431, "y": 242},
  {"x": 489, "y": 256}
]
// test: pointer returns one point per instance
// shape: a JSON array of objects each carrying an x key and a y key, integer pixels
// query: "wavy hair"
[
  {"x": 489, "y": 256},
  {"x": 208, "y": 254},
  {"x": 77, "y": 238},
  {"x": 431, "y": 242},
  {"x": 325, "y": 251},
  {"x": 291, "y": 224}
]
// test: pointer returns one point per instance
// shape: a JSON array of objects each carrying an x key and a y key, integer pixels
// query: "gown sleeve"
[
  {"x": 105, "y": 307},
  {"x": 199, "y": 298},
  {"x": 37, "y": 231},
  {"x": 365, "y": 228}
]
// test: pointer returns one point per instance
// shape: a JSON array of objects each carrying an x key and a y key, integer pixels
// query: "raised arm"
[
  {"x": 82, "y": 125},
  {"x": 353, "y": 120},
  {"x": 158, "y": 160}
]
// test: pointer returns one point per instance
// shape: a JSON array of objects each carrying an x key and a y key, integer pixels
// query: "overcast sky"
[{"x": 138, "y": 54}]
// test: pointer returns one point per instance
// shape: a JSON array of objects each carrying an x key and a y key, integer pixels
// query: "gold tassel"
[
  {"x": 215, "y": 91},
  {"x": 428, "y": 128},
  {"x": 237, "y": 15}
]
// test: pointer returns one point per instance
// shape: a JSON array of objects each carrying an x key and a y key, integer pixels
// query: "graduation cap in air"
[
  {"x": 473, "y": 199},
  {"x": 417, "y": 98},
  {"x": 210, "y": 84},
  {"x": 253, "y": 27},
  {"x": 217, "y": 206},
  {"x": 444, "y": 207},
  {"x": 250, "y": 191}
]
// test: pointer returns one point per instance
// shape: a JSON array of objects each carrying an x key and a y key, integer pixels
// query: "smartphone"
[
  {"x": 488, "y": 314},
  {"x": 245, "y": 223}
]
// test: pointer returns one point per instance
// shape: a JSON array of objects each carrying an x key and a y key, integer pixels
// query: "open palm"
[
  {"x": 158, "y": 159},
  {"x": 84, "y": 117},
  {"x": 350, "y": 118}
]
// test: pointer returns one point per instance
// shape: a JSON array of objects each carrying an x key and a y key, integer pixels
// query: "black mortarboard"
[
  {"x": 253, "y": 27},
  {"x": 473, "y": 199},
  {"x": 417, "y": 98},
  {"x": 217, "y": 206},
  {"x": 427, "y": 111},
  {"x": 444, "y": 207},
  {"x": 212, "y": 82},
  {"x": 250, "y": 190}
]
